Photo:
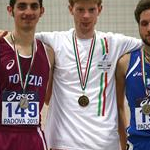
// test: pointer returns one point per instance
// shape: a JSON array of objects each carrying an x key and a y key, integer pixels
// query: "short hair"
[
  {"x": 12, "y": 3},
  {"x": 72, "y": 2},
  {"x": 141, "y": 6}
]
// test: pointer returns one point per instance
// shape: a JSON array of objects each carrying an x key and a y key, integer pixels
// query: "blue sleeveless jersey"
[{"x": 135, "y": 92}]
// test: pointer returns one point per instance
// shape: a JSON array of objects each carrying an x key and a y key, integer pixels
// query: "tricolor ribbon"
[
  {"x": 83, "y": 78},
  {"x": 23, "y": 84}
]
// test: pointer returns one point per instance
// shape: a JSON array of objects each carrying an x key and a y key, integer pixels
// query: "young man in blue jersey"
[
  {"x": 83, "y": 113},
  {"x": 133, "y": 80}
]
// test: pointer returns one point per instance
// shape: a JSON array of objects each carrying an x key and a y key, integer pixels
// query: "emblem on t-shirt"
[
  {"x": 104, "y": 64},
  {"x": 10, "y": 64}
]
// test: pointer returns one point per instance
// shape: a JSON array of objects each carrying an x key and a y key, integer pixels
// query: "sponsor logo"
[
  {"x": 10, "y": 64},
  {"x": 137, "y": 74},
  {"x": 17, "y": 96}
]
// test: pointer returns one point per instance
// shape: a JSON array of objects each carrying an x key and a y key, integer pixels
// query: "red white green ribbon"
[
  {"x": 143, "y": 69},
  {"x": 83, "y": 78},
  {"x": 25, "y": 83}
]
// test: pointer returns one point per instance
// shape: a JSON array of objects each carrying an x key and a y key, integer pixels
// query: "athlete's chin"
[
  {"x": 86, "y": 29},
  {"x": 28, "y": 28},
  {"x": 31, "y": 22}
]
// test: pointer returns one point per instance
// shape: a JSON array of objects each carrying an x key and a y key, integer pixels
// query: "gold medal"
[
  {"x": 83, "y": 101},
  {"x": 146, "y": 109},
  {"x": 24, "y": 103}
]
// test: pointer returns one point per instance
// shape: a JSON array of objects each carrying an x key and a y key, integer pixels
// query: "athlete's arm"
[
  {"x": 50, "y": 53},
  {"x": 121, "y": 69}
]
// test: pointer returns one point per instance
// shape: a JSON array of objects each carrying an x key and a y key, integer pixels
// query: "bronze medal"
[
  {"x": 24, "y": 103},
  {"x": 146, "y": 109},
  {"x": 83, "y": 101}
]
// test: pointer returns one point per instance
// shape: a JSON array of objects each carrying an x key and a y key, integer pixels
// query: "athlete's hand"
[{"x": 3, "y": 33}]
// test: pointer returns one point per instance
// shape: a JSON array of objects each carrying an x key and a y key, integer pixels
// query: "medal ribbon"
[
  {"x": 23, "y": 85},
  {"x": 83, "y": 79},
  {"x": 103, "y": 81},
  {"x": 143, "y": 69}
]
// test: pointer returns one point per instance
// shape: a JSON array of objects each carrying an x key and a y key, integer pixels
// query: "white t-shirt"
[{"x": 93, "y": 127}]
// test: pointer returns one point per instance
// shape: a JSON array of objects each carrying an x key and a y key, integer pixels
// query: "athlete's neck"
[
  {"x": 147, "y": 50},
  {"x": 23, "y": 38},
  {"x": 23, "y": 42},
  {"x": 84, "y": 34}
]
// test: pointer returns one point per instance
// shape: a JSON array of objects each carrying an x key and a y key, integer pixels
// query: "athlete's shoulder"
[{"x": 117, "y": 37}]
